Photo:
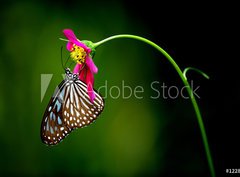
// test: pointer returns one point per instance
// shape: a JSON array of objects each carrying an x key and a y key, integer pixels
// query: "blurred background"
[{"x": 132, "y": 137}]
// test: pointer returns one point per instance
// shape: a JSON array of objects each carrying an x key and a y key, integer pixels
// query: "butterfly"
[{"x": 69, "y": 108}]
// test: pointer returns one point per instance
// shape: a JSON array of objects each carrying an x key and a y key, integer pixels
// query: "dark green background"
[{"x": 132, "y": 137}]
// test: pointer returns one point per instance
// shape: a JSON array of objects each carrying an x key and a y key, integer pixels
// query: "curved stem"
[
  {"x": 194, "y": 69},
  {"x": 185, "y": 82}
]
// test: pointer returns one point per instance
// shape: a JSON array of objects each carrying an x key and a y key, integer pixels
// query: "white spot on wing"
[
  {"x": 82, "y": 110},
  {"x": 67, "y": 104},
  {"x": 71, "y": 107},
  {"x": 71, "y": 94},
  {"x": 77, "y": 113}
]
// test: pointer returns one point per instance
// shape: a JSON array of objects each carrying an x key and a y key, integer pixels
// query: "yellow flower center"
[{"x": 78, "y": 54}]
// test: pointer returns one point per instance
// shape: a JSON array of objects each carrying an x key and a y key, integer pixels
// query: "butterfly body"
[{"x": 69, "y": 108}]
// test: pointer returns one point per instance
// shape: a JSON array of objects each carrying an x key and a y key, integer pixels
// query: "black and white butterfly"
[{"x": 69, "y": 108}]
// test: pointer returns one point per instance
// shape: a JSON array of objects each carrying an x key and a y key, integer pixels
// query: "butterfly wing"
[
  {"x": 53, "y": 129},
  {"x": 78, "y": 110},
  {"x": 69, "y": 108}
]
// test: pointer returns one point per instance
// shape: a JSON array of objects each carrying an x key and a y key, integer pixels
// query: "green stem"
[
  {"x": 194, "y": 69},
  {"x": 185, "y": 82}
]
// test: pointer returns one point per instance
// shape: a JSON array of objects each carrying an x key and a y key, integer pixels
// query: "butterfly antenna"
[
  {"x": 71, "y": 63},
  {"x": 62, "y": 57},
  {"x": 67, "y": 60},
  {"x": 64, "y": 65}
]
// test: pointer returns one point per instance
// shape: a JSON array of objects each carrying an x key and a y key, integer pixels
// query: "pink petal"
[
  {"x": 91, "y": 64},
  {"x": 90, "y": 82},
  {"x": 89, "y": 77},
  {"x": 77, "y": 68},
  {"x": 91, "y": 93},
  {"x": 70, "y": 35},
  {"x": 73, "y": 39},
  {"x": 69, "y": 46},
  {"x": 82, "y": 74}
]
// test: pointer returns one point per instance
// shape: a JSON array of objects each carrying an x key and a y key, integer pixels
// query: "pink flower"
[{"x": 85, "y": 66}]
